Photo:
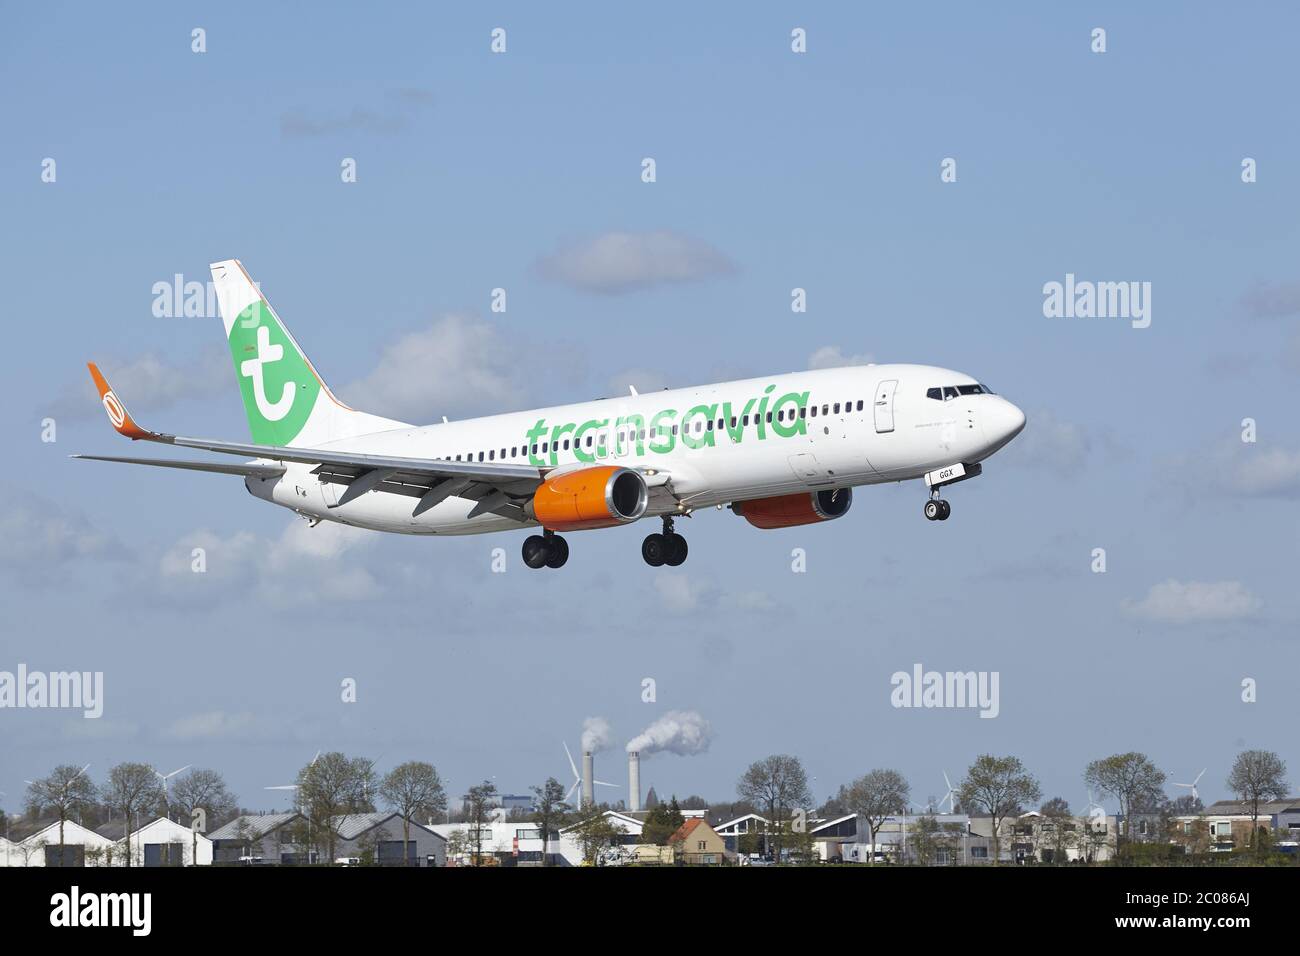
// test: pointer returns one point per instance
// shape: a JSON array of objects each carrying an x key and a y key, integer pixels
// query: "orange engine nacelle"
[
  {"x": 599, "y": 497},
  {"x": 786, "y": 511}
]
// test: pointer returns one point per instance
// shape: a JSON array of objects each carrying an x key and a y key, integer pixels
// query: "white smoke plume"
[
  {"x": 595, "y": 735},
  {"x": 682, "y": 732}
]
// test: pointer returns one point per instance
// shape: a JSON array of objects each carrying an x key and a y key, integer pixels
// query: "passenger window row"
[{"x": 544, "y": 448}]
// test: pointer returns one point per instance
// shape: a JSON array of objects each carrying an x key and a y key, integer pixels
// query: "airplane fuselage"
[{"x": 698, "y": 447}]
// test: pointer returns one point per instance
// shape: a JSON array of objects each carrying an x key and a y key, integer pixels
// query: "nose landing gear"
[
  {"x": 547, "y": 549},
  {"x": 936, "y": 509},
  {"x": 668, "y": 548}
]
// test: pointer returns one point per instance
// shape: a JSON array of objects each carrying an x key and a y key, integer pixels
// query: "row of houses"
[
  {"x": 938, "y": 839},
  {"x": 251, "y": 839}
]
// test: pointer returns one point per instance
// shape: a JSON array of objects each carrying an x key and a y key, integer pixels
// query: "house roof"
[
  {"x": 733, "y": 822},
  {"x": 1241, "y": 808},
  {"x": 352, "y": 825},
  {"x": 689, "y": 827},
  {"x": 255, "y": 826},
  {"x": 112, "y": 830},
  {"x": 73, "y": 832}
]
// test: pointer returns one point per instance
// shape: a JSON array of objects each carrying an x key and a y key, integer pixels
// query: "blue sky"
[{"x": 774, "y": 171}]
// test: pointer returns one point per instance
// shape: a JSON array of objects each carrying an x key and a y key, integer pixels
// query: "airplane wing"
[{"x": 495, "y": 487}]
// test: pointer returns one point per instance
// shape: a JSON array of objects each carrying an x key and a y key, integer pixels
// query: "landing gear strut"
[
  {"x": 936, "y": 509},
  {"x": 668, "y": 548},
  {"x": 547, "y": 549}
]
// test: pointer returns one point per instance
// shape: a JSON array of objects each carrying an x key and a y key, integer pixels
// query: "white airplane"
[{"x": 780, "y": 451}]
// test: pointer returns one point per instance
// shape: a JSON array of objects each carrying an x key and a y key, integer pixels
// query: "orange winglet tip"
[{"x": 117, "y": 414}]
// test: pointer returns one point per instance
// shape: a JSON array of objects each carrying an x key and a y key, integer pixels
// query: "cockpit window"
[{"x": 948, "y": 392}]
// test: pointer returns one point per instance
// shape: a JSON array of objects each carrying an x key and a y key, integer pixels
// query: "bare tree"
[
  {"x": 551, "y": 811},
  {"x": 876, "y": 796},
  {"x": 206, "y": 791},
  {"x": 1130, "y": 778},
  {"x": 779, "y": 785},
  {"x": 66, "y": 791},
  {"x": 410, "y": 788},
  {"x": 332, "y": 786},
  {"x": 1000, "y": 786},
  {"x": 478, "y": 806},
  {"x": 131, "y": 788},
  {"x": 1257, "y": 776}
]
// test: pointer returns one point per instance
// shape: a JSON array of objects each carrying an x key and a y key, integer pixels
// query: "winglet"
[{"x": 117, "y": 413}]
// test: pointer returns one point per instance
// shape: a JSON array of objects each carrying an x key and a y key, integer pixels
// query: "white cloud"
[
  {"x": 680, "y": 593},
  {"x": 1050, "y": 444},
  {"x": 459, "y": 364},
  {"x": 619, "y": 262},
  {"x": 212, "y": 725},
  {"x": 1259, "y": 472},
  {"x": 832, "y": 356},
  {"x": 148, "y": 383},
  {"x": 643, "y": 380},
  {"x": 36, "y": 533},
  {"x": 1186, "y": 602},
  {"x": 303, "y": 566}
]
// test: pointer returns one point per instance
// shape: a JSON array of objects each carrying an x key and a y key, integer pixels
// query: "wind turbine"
[
  {"x": 1192, "y": 786},
  {"x": 951, "y": 796},
  {"x": 164, "y": 777},
  {"x": 1095, "y": 810},
  {"x": 577, "y": 777},
  {"x": 294, "y": 786}
]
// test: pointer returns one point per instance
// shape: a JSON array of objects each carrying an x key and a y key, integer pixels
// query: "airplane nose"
[{"x": 1003, "y": 421}]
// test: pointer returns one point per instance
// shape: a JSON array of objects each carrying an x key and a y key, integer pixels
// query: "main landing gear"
[
  {"x": 547, "y": 549},
  {"x": 668, "y": 548},
  {"x": 936, "y": 509}
]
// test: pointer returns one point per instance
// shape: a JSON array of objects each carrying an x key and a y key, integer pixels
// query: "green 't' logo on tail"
[{"x": 278, "y": 387}]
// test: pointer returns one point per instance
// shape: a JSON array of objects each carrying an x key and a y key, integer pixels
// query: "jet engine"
[
  {"x": 786, "y": 511},
  {"x": 599, "y": 497}
]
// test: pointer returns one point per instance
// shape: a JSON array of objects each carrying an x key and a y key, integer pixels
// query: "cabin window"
[
  {"x": 803, "y": 413},
  {"x": 480, "y": 456},
  {"x": 492, "y": 455},
  {"x": 588, "y": 441},
  {"x": 859, "y": 404},
  {"x": 814, "y": 411},
  {"x": 769, "y": 418},
  {"x": 837, "y": 408}
]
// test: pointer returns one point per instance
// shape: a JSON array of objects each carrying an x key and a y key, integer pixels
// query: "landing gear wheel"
[
  {"x": 676, "y": 550},
  {"x": 557, "y": 551},
  {"x": 535, "y": 551},
  {"x": 655, "y": 550},
  {"x": 945, "y": 509},
  {"x": 932, "y": 510}
]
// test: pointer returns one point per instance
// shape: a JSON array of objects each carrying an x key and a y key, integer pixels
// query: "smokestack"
[
  {"x": 634, "y": 780},
  {"x": 588, "y": 779}
]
